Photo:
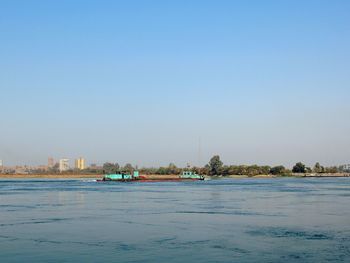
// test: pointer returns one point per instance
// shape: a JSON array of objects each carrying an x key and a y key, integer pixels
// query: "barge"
[{"x": 135, "y": 176}]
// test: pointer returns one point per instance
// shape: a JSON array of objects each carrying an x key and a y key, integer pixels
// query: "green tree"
[
  {"x": 172, "y": 169},
  {"x": 332, "y": 169},
  {"x": 111, "y": 168},
  {"x": 205, "y": 170},
  {"x": 215, "y": 165},
  {"x": 128, "y": 168},
  {"x": 162, "y": 170},
  {"x": 299, "y": 168},
  {"x": 225, "y": 170},
  {"x": 278, "y": 170},
  {"x": 55, "y": 169},
  {"x": 318, "y": 168}
]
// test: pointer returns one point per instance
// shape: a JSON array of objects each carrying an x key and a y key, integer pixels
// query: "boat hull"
[{"x": 150, "y": 180}]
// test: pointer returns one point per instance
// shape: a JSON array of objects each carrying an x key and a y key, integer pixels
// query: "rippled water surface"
[{"x": 238, "y": 220}]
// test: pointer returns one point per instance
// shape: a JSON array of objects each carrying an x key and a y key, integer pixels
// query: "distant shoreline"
[
  {"x": 156, "y": 176},
  {"x": 308, "y": 175},
  {"x": 50, "y": 176}
]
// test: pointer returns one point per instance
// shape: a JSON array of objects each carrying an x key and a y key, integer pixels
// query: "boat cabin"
[{"x": 190, "y": 175}]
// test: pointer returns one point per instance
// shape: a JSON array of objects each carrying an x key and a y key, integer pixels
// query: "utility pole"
[{"x": 199, "y": 151}]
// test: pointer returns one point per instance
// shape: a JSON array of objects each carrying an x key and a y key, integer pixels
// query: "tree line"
[{"x": 215, "y": 167}]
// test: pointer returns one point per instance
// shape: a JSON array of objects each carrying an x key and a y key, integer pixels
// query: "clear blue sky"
[{"x": 264, "y": 82}]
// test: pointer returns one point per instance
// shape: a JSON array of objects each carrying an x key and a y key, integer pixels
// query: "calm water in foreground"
[{"x": 238, "y": 220}]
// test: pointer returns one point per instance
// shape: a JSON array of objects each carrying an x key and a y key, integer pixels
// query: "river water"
[{"x": 229, "y": 220}]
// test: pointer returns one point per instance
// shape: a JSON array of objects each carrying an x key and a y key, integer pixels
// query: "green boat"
[
  {"x": 121, "y": 177},
  {"x": 191, "y": 175},
  {"x": 127, "y": 177}
]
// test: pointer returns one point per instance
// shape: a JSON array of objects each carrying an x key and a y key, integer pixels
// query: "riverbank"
[
  {"x": 158, "y": 177},
  {"x": 50, "y": 176},
  {"x": 290, "y": 175},
  {"x": 76, "y": 176}
]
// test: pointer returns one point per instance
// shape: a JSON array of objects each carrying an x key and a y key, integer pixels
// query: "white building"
[
  {"x": 1, "y": 164},
  {"x": 64, "y": 165}
]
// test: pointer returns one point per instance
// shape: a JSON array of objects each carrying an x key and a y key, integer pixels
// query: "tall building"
[
  {"x": 1, "y": 164},
  {"x": 64, "y": 165},
  {"x": 80, "y": 163},
  {"x": 50, "y": 162}
]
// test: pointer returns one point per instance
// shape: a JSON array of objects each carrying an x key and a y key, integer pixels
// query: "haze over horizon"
[{"x": 141, "y": 82}]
